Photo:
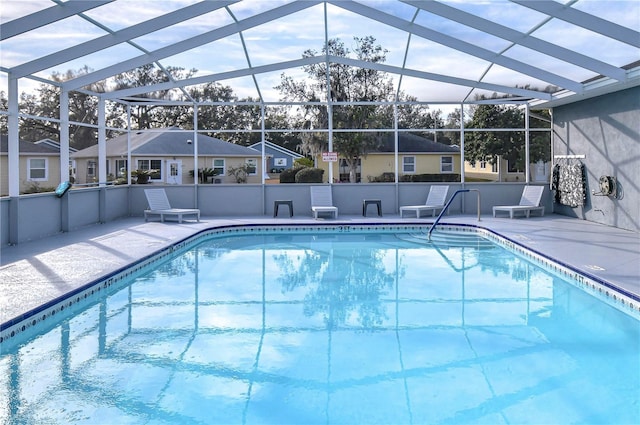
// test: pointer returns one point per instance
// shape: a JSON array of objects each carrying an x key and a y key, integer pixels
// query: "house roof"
[
  {"x": 41, "y": 147},
  {"x": 411, "y": 143},
  {"x": 168, "y": 142},
  {"x": 278, "y": 148}
]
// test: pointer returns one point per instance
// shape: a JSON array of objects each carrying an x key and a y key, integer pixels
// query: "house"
[
  {"x": 278, "y": 158},
  {"x": 39, "y": 165},
  {"x": 502, "y": 170},
  {"x": 170, "y": 152},
  {"x": 416, "y": 155}
]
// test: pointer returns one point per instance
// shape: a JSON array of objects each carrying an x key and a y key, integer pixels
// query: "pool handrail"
[{"x": 447, "y": 206}]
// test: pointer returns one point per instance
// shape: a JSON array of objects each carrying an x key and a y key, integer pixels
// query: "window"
[
  {"x": 218, "y": 167},
  {"x": 38, "y": 169},
  {"x": 483, "y": 164},
  {"x": 72, "y": 170},
  {"x": 91, "y": 168},
  {"x": 151, "y": 164},
  {"x": 446, "y": 164},
  {"x": 408, "y": 164},
  {"x": 121, "y": 168},
  {"x": 513, "y": 167},
  {"x": 252, "y": 166},
  {"x": 345, "y": 171}
]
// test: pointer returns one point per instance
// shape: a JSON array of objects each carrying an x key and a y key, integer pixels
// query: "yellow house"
[
  {"x": 171, "y": 154},
  {"x": 39, "y": 165},
  {"x": 418, "y": 158},
  {"x": 502, "y": 171}
]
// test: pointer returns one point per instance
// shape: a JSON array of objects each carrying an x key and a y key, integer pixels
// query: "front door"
[{"x": 174, "y": 175}]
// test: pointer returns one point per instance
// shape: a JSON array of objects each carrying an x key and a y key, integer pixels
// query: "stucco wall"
[
  {"x": 607, "y": 131},
  {"x": 80, "y": 207},
  {"x": 4, "y": 221}
]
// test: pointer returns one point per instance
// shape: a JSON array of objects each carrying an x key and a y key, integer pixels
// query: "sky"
[{"x": 287, "y": 38}]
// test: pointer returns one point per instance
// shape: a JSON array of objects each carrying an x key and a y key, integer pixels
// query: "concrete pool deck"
[{"x": 34, "y": 273}]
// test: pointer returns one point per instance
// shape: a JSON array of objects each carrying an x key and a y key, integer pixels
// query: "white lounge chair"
[
  {"x": 321, "y": 201},
  {"x": 159, "y": 205},
  {"x": 530, "y": 201},
  {"x": 435, "y": 201}
]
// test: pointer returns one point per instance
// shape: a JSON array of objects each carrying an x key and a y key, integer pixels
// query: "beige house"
[
  {"x": 39, "y": 165},
  {"x": 171, "y": 154},
  {"x": 503, "y": 172},
  {"x": 416, "y": 155}
]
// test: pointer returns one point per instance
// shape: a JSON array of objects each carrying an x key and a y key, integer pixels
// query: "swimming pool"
[{"x": 333, "y": 325}]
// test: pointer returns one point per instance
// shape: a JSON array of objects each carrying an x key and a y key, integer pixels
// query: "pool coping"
[{"x": 609, "y": 292}]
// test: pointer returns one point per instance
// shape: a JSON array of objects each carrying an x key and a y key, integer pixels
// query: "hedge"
[
  {"x": 309, "y": 175},
  {"x": 430, "y": 178},
  {"x": 289, "y": 175}
]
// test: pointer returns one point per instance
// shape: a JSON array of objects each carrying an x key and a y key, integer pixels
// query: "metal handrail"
[{"x": 447, "y": 206}]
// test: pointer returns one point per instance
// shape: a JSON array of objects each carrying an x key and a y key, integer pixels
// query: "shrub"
[
  {"x": 303, "y": 162},
  {"x": 289, "y": 175},
  {"x": 241, "y": 173},
  {"x": 34, "y": 187},
  {"x": 384, "y": 177},
  {"x": 430, "y": 178},
  {"x": 309, "y": 175}
]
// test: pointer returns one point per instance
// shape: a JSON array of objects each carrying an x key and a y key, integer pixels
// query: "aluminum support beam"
[
  {"x": 47, "y": 16},
  {"x": 188, "y": 44},
  {"x": 118, "y": 37},
  {"x": 520, "y": 38},
  {"x": 584, "y": 20},
  {"x": 459, "y": 45}
]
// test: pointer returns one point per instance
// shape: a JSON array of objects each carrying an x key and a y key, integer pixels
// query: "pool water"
[{"x": 304, "y": 328}]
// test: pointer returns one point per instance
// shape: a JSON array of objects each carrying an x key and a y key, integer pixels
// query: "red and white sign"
[{"x": 329, "y": 156}]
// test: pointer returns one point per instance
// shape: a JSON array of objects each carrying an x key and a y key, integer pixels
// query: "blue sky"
[{"x": 286, "y": 39}]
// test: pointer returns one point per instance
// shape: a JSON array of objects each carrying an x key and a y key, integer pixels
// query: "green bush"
[
  {"x": 309, "y": 175},
  {"x": 383, "y": 178},
  {"x": 303, "y": 162},
  {"x": 289, "y": 175}
]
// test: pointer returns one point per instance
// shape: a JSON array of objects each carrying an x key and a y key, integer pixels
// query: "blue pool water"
[{"x": 304, "y": 328}]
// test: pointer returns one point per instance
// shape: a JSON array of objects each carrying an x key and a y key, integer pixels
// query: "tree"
[
  {"x": 4, "y": 106},
  {"x": 540, "y": 141},
  {"x": 149, "y": 115},
  {"x": 510, "y": 145},
  {"x": 418, "y": 116},
  {"x": 83, "y": 108},
  {"x": 347, "y": 84},
  {"x": 488, "y": 145},
  {"x": 453, "y": 122}
]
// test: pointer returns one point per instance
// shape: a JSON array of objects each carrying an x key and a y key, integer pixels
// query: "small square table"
[
  {"x": 276, "y": 204},
  {"x": 367, "y": 202}
]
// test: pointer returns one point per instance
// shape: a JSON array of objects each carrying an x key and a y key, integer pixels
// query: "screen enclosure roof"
[{"x": 545, "y": 52}]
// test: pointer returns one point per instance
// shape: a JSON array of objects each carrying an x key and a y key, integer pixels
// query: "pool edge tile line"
[{"x": 85, "y": 295}]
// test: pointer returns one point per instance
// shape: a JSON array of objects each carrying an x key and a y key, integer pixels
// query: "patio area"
[{"x": 36, "y": 272}]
